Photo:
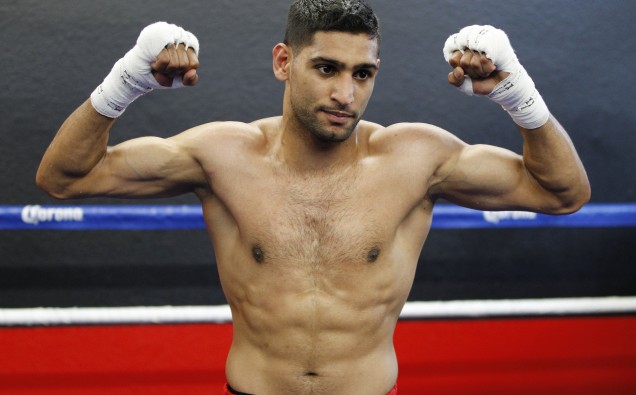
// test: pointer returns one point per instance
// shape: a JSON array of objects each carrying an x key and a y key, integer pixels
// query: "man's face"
[{"x": 331, "y": 82}]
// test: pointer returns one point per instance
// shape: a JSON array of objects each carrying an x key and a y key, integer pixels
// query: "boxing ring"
[{"x": 529, "y": 346}]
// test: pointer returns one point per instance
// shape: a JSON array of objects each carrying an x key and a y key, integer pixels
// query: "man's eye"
[
  {"x": 325, "y": 69},
  {"x": 363, "y": 75}
]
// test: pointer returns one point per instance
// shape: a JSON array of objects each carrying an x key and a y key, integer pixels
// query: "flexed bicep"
[
  {"x": 145, "y": 167},
  {"x": 78, "y": 163},
  {"x": 486, "y": 177},
  {"x": 549, "y": 177}
]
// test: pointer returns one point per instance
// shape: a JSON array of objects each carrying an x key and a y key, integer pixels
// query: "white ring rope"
[{"x": 51, "y": 316}]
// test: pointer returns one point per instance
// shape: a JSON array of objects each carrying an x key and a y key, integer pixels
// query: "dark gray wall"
[{"x": 53, "y": 53}]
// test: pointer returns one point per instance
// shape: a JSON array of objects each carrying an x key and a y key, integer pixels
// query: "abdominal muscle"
[{"x": 313, "y": 343}]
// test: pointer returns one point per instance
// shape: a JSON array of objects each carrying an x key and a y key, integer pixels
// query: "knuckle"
[
  {"x": 163, "y": 57},
  {"x": 466, "y": 59},
  {"x": 455, "y": 59}
]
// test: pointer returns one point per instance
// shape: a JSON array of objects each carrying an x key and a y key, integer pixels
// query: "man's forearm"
[
  {"x": 550, "y": 157},
  {"x": 77, "y": 148}
]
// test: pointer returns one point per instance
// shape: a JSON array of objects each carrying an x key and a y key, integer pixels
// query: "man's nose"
[{"x": 343, "y": 91}]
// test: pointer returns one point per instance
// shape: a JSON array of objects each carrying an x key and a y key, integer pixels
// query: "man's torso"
[{"x": 316, "y": 266}]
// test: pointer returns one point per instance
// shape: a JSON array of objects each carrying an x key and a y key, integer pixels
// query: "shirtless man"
[{"x": 318, "y": 218}]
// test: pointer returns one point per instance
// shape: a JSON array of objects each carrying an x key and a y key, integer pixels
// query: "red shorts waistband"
[{"x": 231, "y": 391}]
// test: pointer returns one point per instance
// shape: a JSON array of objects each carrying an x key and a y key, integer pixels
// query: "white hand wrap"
[
  {"x": 131, "y": 77},
  {"x": 517, "y": 93}
]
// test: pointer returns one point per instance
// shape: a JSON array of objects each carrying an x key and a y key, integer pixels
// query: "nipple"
[
  {"x": 258, "y": 254},
  {"x": 373, "y": 255}
]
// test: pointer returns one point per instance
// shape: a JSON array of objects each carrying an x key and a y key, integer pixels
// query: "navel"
[
  {"x": 258, "y": 254},
  {"x": 373, "y": 255}
]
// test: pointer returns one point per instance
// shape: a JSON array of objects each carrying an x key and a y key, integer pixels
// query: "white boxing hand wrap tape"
[
  {"x": 519, "y": 97},
  {"x": 517, "y": 93},
  {"x": 131, "y": 77}
]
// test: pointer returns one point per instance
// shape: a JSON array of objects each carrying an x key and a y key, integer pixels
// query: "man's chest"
[{"x": 350, "y": 216}]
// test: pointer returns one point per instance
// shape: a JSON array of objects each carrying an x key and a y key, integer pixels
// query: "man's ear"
[{"x": 282, "y": 57}]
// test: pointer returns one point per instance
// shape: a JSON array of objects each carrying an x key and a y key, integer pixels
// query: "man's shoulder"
[
  {"x": 407, "y": 133},
  {"x": 229, "y": 131}
]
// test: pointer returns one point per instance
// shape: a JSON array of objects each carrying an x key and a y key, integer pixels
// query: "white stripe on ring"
[{"x": 54, "y": 316}]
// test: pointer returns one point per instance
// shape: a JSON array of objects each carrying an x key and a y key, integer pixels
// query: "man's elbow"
[
  {"x": 575, "y": 199},
  {"x": 51, "y": 187}
]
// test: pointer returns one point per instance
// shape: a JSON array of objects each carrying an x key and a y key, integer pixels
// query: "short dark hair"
[{"x": 306, "y": 17}]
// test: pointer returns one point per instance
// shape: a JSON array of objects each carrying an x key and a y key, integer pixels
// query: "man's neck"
[{"x": 302, "y": 151}]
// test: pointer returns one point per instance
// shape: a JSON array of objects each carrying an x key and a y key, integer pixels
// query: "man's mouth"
[{"x": 339, "y": 117}]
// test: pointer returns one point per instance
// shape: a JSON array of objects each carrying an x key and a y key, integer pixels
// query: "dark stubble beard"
[{"x": 308, "y": 119}]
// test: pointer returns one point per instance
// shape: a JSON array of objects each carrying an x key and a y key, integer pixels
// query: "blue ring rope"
[{"x": 173, "y": 217}]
